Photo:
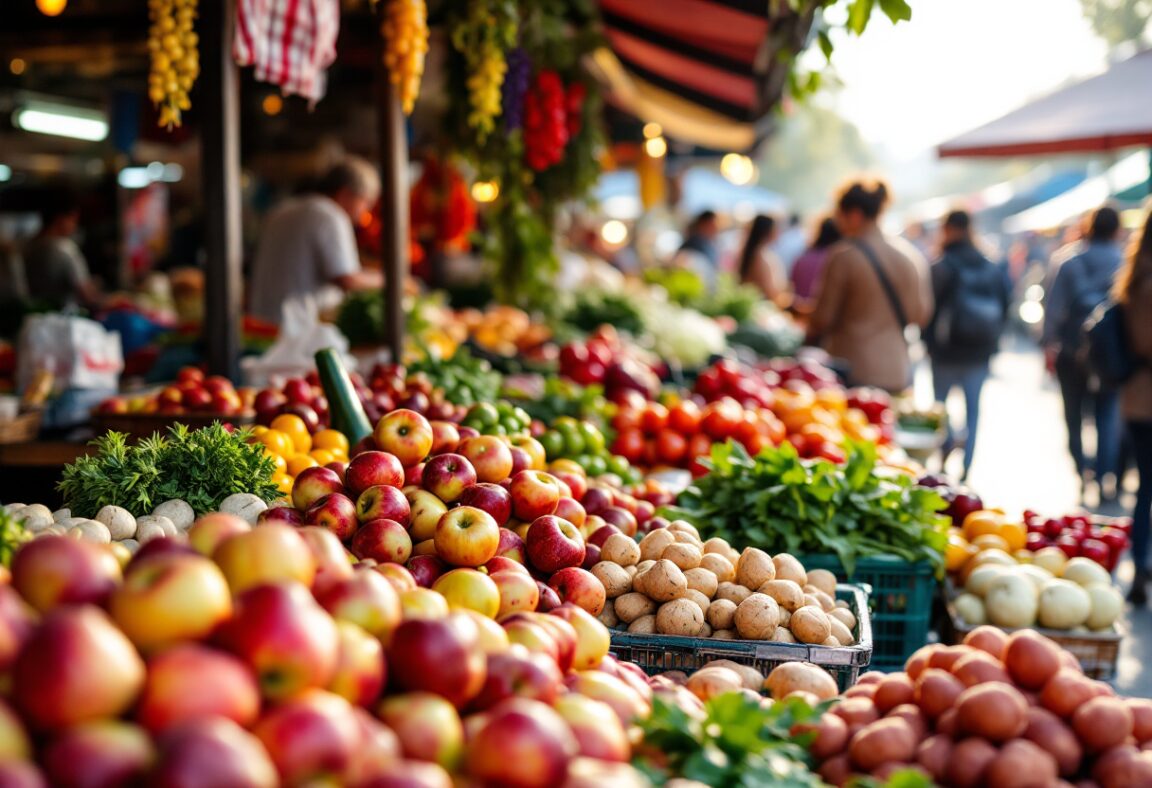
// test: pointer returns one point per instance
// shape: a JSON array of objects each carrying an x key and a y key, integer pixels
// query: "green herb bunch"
[
  {"x": 779, "y": 502},
  {"x": 12, "y": 535},
  {"x": 201, "y": 467}
]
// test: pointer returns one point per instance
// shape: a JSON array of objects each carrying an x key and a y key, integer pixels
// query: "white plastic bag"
[
  {"x": 293, "y": 353},
  {"x": 80, "y": 353}
]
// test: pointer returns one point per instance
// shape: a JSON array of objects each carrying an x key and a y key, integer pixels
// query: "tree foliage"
[{"x": 1120, "y": 22}]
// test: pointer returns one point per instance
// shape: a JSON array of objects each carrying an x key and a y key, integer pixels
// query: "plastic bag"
[
  {"x": 79, "y": 353},
  {"x": 293, "y": 353}
]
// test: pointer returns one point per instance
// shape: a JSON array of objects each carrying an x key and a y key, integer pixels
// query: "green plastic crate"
[{"x": 901, "y": 602}]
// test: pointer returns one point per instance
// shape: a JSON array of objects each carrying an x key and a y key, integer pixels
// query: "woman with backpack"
[
  {"x": 972, "y": 296},
  {"x": 1133, "y": 292}
]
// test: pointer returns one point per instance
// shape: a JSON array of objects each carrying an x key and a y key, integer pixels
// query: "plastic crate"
[
  {"x": 900, "y": 602},
  {"x": 661, "y": 653}
]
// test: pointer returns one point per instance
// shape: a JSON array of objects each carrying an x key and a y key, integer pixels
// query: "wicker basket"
[
  {"x": 1098, "y": 653},
  {"x": 22, "y": 429},
  {"x": 660, "y": 653},
  {"x": 143, "y": 425}
]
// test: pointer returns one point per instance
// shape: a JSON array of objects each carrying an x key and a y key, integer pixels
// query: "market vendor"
[
  {"x": 308, "y": 245},
  {"x": 55, "y": 271}
]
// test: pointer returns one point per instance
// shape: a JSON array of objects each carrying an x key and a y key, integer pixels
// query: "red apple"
[
  {"x": 166, "y": 599},
  {"x": 17, "y": 621},
  {"x": 414, "y": 475},
  {"x": 592, "y": 638},
  {"x": 423, "y": 603},
  {"x": 601, "y": 534},
  {"x": 440, "y": 656},
  {"x": 359, "y": 676},
  {"x": 534, "y": 494},
  {"x": 522, "y": 630},
  {"x": 406, "y": 434},
  {"x": 621, "y": 518},
  {"x": 597, "y": 728},
  {"x": 400, "y": 578},
  {"x": 445, "y": 437},
  {"x": 366, "y": 599},
  {"x": 518, "y": 592},
  {"x": 58, "y": 570},
  {"x": 312, "y": 737},
  {"x": 579, "y": 587},
  {"x": 373, "y": 469},
  {"x": 549, "y": 599},
  {"x": 191, "y": 681},
  {"x": 519, "y": 672},
  {"x": 285, "y": 636},
  {"x": 163, "y": 545},
  {"x": 209, "y": 531},
  {"x": 378, "y": 747},
  {"x": 339, "y": 468},
  {"x": 21, "y": 774},
  {"x": 597, "y": 499},
  {"x": 189, "y": 375},
  {"x": 570, "y": 510},
  {"x": 466, "y": 536},
  {"x": 196, "y": 398},
  {"x": 521, "y": 460},
  {"x": 213, "y": 751},
  {"x": 287, "y": 515},
  {"x": 492, "y": 498},
  {"x": 426, "y": 510},
  {"x": 577, "y": 483},
  {"x": 591, "y": 557},
  {"x": 469, "y": 589},
  {"x": 98, "y": 753},
  {"x": 332, "y": 561},
  {"x": 307, "y": 414},
  {"x": 490, "y": 456},
  {"x": 553, "y": 543},
  {"x": 382, "y": 540},
  {"x": 628, "y": 704},
  {"x": 427, "y": 725},
  {"x": 312, "y": 484},
  {"x": 383, "y": 502},
  {"x": 75, "y": 667},
  {"x": 336, "y": 512},
  {"x": 499, "y": 563},
  {"x": 523, "y": 743},
  {"x": 565, "y": 636},
  {"x": 268, "y": 405},
  {"x": 266, "y": 554},
  {"x": 425, "y": 569},
  {"x": 411, "y": 774},
  {"x": 447, "y": 476}
]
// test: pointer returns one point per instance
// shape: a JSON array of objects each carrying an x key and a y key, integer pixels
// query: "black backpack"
[
  {"x": 973, "y": 313},
  {"x": 1086, "y": 297},
  {"x": 1104, "y": 346}
]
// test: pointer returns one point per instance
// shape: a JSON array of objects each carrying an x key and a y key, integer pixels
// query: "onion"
[
  {"x": 1021, "y": 764},
  {"x": 1031, "y": 658},
  {"x": 979, "y": 667},
  {"x": 934, "y": 754},
  {"x": 994, "y": 711},
  {"x": 1102, "y": 723},
  {"x": 970, "y": 759},
  {"x": 988, "y": 638},
  {"x": 892, "y": 691},
  {"x": 936, "y": 691},
  {"x": 1052, "y": 735},
  {"x": 881, "y": 742}
]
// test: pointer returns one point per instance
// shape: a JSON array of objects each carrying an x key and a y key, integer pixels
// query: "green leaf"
[
  {"x": 896, "y": 10},
  {"x": 826, "y": 45},
  {"x": 859, "y": 12}
]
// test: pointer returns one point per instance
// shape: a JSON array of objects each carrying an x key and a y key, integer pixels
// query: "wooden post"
[
  {"x": 393, "y": 145},
  {"x": 220, "y": 173}
]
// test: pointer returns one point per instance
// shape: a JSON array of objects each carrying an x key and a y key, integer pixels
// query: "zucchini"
[{"x": 345, "y": 412}]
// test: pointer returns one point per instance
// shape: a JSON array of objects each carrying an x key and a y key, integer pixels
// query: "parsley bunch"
[{"x": 201, "y": 467}]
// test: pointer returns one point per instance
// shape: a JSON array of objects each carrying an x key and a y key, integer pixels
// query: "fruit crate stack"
[
  {"x": 900, "y": 602},
  {"x": 661, "y": 653}
]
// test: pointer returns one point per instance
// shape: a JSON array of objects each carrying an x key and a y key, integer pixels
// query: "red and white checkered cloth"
[{"x": 290, "y": 42}]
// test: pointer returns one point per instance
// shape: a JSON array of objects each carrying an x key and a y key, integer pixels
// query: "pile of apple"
[
  {"x": 192, "y": 392},
  {"x": 302, "y": 397},
  {"x": 605, "y": 359},
  {"x": 1101, "y": 539},
  {"x": 999, "y": 710},
  {"x": 260, "y": 656}
]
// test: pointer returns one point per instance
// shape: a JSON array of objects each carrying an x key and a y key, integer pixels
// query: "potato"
[
  {"x": 842, "y": 633},
  {"x": 620, "y": 549},
  {"x": 719, "y": 566},
  {"x": 246, "y": 506},
  {"x": 121, "y": 524},
  {"x": 785, "y": 617},
  {"x": 640, "y": 567},
  {"x": 788, "y": 568},
  {"x": 702, "y": 580},
  {"x": 654, "y": 544},
  {"x": 733, "y": 591},
  {"x": 91, "y": 531},
  {"x": 707, "y": 683},
  {"x": 683, "y": 537},
  {"x": 810, "y": 625},
  {"x": 630, "y": 607},
  {"x": 721, "y": 614},
  {"x": 733, "y": 556},
  {"x": 754, "y": 568},
  {"x": 683, "y": 526},
  {"x": 800, "y": 676},
  {"x": 640, "y": 580},
  {"x": 811, "y": 600},
  {"x": 701, "y": 601},
  {"x": 826, "y": 603},
  {"x": 166, "y": 525},
  {"x": 148, "y": 529},
  {"x": 705, "y": 631},
  {"x": 631, "y": 570},
  {"x": 679, "y": 617},
  {"x": 786, "y": 593},
  {"x": 685, "y": 556},
  {"x": 613, "y": 577},
  {"x": 824, "y": 580},
  {"x": 782, "y": 635},
  {"x": 64, "y": 514},
  {"x": 832, "y": 642},
  {"x": 645, "y": 625},
  {"x": 750, "y": 677},
  {"x": 179, "y": 512},
  {"x": 717, "y": 546},
  {"x": 608, "y": 617},
  {"x": 723, "y": 634},
  {"x": 664, "y": 582},
  {"x": 844, "y": 616},
  {"x": 757, "y": 617},
  {"x": 842, "y": 603}
]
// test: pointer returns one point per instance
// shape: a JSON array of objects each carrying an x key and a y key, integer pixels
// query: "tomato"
[
  {"x": 671, "y": 446},
  {"x": 654, "y": 418},
  {"x": 721, "y": 418},
  {"x": 651, "y": 456},
  {"x": 821, "y": 431},
  {"x": 708, "y": 384},
  {"x": 773, "y": 428},
  {"x": 629, "y": 444},
  {"x": 831, "y": 452},
  {"x": 748, "y": 435},
  {"x": 626, "y": 418},
  {"x": 685, "y": 418}
]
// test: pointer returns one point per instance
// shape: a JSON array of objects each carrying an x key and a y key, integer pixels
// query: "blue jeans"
[
  {"x": 1074, "y": 389},
  {"x": 970, "y": 378},
  {"x": 1141, "y": 432}
]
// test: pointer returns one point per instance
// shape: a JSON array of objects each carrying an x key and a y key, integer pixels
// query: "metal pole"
[
  {"x": 393, "y": 144},
  {"x": 220, "y": 170}
]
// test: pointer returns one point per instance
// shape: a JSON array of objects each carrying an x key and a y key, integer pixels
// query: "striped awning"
[{"x": 705, "y": 70}]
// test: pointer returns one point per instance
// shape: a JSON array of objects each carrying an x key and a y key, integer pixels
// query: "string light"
[
  {"x": 51, "y": 7},
  {"x": 485, "y": 191},
  {"x": 17, "y": 66},
  {"x": 272, "y": 104},
  {"x": 652, "y": 130},
  {"x": 738, "y": 169},
  {"x": 655, "y": 147}
]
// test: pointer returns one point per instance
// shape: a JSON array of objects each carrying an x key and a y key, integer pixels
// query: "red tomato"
[
  {"x": 629, "y": 444},
  {"x": 671, "y": 446},
  {"x": 721, "y": 417},
  {"x": 831, "y": 452},
  {"x": 651, "y": 456},
  {"x": 685, "y": 418},
  {"x": 626, "y": 418},
  {"x": 654, "y": 418},
  {"x": 748, "y": 435}
]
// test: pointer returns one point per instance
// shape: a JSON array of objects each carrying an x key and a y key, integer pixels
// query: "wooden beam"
[
  {"x": 220, "y": 163},
  {"x": 393, "y": 153}
]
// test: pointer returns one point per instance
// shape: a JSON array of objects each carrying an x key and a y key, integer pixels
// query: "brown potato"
[
  {"x": 751, "y": 678},
  {"x": 788, "y": 568},
  {"x": 608, "y": 617},
  {"x": 652, "y": 545},
  {"x": 842, "y": 633},
  {"x": 786, "y": 593},
  {"x": 719, "y": 566},
  {"x": 702, "y": 580},
  {"x": 721, "y": 613},
  {"x": 717, "y": 546},
  {"x": 782, "y": 635},
  {"x": 685, "y": 556},
  {"x": 632, "y": 606},
  {"x": 844, "y": 616},
  {"x": 702, "y": 601},
  {"x": 810, "y": 625},
  {"x": 723, "y": 634},
  {"x": 679, "y": 617},
  {"x": 613, "y": 577},
  {"x": 664, "y": 582},
  {"x": 824, "y": 580},
  {"x": 645, "y": 625},
  {"x": 733, "y": 591},
  {"x": 620, "y": 549},
  {"x": 710, "y": 682},
  {"x": 800, "y": 676},
  {"x": 757, "y": 617},
  {"x": 754, "y": 569},
  {"x": 683, "y": 526}
]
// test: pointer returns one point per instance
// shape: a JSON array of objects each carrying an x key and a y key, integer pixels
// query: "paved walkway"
[{"x": 1022, "y": 462}]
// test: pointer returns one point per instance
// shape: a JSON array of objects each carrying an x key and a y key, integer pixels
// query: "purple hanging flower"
[{"x": 516, "y": 80}]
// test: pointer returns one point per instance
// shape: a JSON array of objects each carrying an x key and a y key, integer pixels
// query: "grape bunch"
[
  {"x": 175, "y": 60},
  {"x": 545, "y": 121},
  {"x": 516, "y": 83},
  {"x": 482, "y": 36},
  {"x": 405, "y": 31}
]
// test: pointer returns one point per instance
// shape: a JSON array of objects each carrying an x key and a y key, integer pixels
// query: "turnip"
[
  {"x": 91, "y": 531},
  {"x": 130, "y": 544},
  {"x": 35, "y": 517},
  {"x": 1085, "y": 571},
  {"x": 120, "y": 522},
  {"x": 178, "y": 512},
  {"x": 13, "y": 508},
  {"x": 1012, "y": 601},
  {"x": 246, "y": 506},
  {"x": 61, "y": 514},
  {"x": 1107, "y": 604},
  {"x": 1063, "y": 605},
  {"x": 153, "y": 527}
]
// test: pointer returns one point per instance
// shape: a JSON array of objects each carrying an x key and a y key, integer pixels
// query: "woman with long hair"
[
  {"x": 809, "y": 266},
  {"x": 1133, "y": 291},
  {"x": 759, "y": 265}
]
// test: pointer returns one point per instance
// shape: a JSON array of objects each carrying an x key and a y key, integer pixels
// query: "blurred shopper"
[
  {"x": 759, "y": 265},
  {"x": 972, "y": 295},
  {"x": 309, "y": 242},
  {"x": 1133, "y": 291},
  {"x": 55, "y": 271},
  {"x": 1079, "y": 286},
  {"x": 699, "y": 251},
  {"x": 809, "y": 266},
  {"x": 791, "y": 243},
  {"x": 872, "y": 289}
]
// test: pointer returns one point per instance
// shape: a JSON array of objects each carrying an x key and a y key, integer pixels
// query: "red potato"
[
  {"x": 946, "y": 723},
  {"x": 1123, "y": 767},
  {"x": 861, "y": 691},
  {"x": 910, "y": 713},
  {"x": 947, "y": 656},
  {"x": 882, "y": 742},
  {"x": 1031, "y": 658},
  {"x": 837, "y": 770},
  {"x": 979, "y": 667},
  {"x": 1057, "y": 739},
  {"x": 933, "y": 755},
  {"x": 1021, "y": 764},
  {"x": 887, "y": 770},
  {"x": 1102, "y": 723},
  {"x": 1066, "y": 692},
  {"x": 831, "y": 737},
  {"x": 970, "y": 759},
  {"x": 936, "y": 691},
  {"x": 988, "y": 639},
  {"x": 892, "y": 691},
  {"x": 871, "y": 677},
  {"x": 1141, "y": 718},
  {"x": 995, "y": 711},
  {"x": 919, "y": 660},
  {"x": 856, "y": 711}
]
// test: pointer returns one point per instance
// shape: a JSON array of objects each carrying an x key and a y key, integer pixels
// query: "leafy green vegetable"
[
  {"x": 465, "y": 379},
  {"x": 737, "y": 743},
  {"x": 201, "y": 467},
  {"x": 780, "y": 502},
  {"x": 594, "y": 308}
]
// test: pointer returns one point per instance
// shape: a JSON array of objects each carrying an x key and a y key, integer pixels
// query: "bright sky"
[{"x": 959, "y": 64}]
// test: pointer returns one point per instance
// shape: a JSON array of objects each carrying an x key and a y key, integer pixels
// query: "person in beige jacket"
[
  {"x": 1133, "y": 291},
  {"x": 872, "y": 288}
]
